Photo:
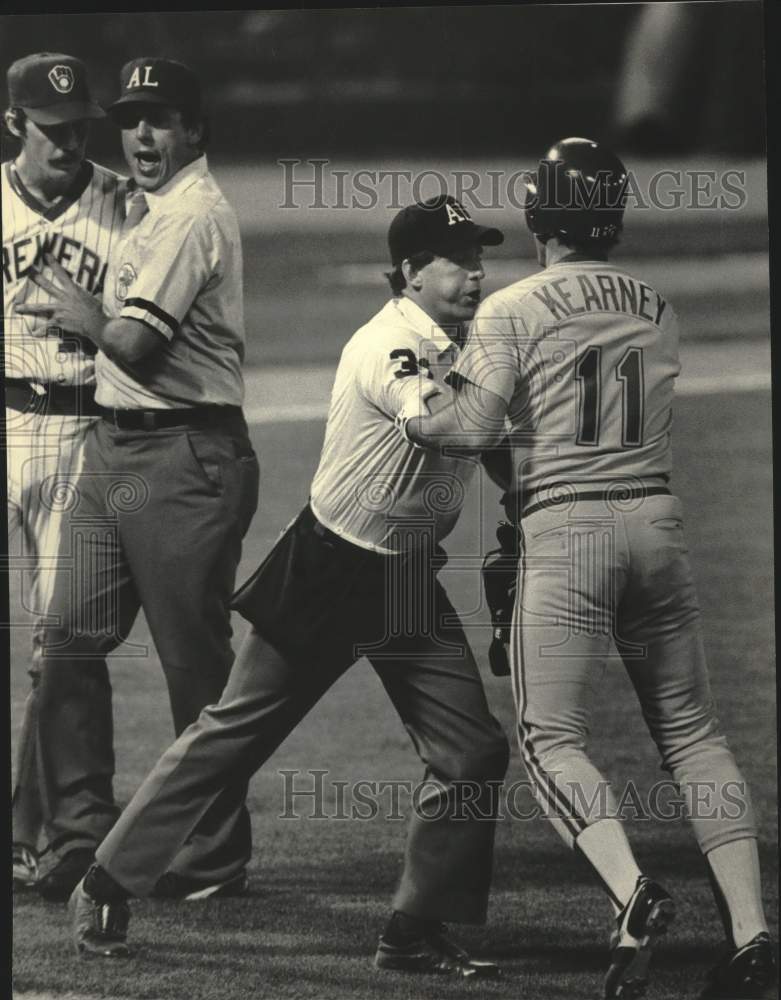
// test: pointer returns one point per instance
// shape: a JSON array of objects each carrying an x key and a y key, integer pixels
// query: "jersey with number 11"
[{"x": 586, "y": 356}]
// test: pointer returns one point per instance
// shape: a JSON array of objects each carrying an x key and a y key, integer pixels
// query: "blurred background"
[
  {"x": 673, "y": 87},
  {"x": 664, "y": 77}
]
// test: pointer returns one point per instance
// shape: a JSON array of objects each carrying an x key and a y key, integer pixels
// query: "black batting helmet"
[{"x": 578, "y": 192}]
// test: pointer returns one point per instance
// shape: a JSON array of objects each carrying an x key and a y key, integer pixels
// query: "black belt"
[
  {"x": 56, "y": 400},
  {"x": 226, "y": 417},
  {"x": 566, "y": 495},
  {"x": 309, "y": 520},
  {"x": 358, "y": 552}
]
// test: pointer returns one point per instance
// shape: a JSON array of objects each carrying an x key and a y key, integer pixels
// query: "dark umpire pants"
[
  {"x": 317, "y": 604},
  {"x": 157, "y": 522}
]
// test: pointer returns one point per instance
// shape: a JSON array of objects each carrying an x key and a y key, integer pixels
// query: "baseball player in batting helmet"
[{"x": 582, "y": 357}]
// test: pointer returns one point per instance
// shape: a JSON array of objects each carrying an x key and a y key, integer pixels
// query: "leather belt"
[
  {"x": 228, "y": 417},
  {"x": 56, "y": 399},
  {"x": 357, "y": 552},
  {"x": 567, "y": 493}
]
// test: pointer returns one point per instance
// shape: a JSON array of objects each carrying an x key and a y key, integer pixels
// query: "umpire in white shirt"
[
  {"x": 169, "y": 485},
  {"x": 355, "y": 574}
]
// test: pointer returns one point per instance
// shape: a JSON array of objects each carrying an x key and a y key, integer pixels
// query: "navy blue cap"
[
  {"x": 150, "y": 80},
  {"x": 439, "y": 225}
]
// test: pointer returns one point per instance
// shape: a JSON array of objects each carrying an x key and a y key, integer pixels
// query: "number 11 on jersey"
[{"x": 629, "y": 373}]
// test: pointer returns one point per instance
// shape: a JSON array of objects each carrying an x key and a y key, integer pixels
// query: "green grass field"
[{"x": 320, "y": 889}]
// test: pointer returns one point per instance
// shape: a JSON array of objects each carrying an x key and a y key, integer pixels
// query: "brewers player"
[
  {"x": 582, "y": 357},
  {"x": 355, "y": 573},
  {"x": 169, "y": 482},
  {"x": 56, "y": 201}
]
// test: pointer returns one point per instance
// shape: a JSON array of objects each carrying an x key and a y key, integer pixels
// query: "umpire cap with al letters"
[
  {"x": 152, "y": 80},
  {"x": 439, "y": 225},
  {"x": 51, "y": 88}
]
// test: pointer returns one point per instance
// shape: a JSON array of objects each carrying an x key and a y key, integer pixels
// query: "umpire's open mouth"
[{"x": 148, "y": 161}]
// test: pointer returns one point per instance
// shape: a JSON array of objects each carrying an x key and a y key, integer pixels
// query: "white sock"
[
  {"x": 735, "y": 868},
  {"x": 605, "y": 845}
]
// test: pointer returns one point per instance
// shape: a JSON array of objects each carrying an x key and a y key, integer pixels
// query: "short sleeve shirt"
[
  {"x": 585, "y": 356},
  {"x": 179, "y": 271},
  {"x": 372, "y": 487}
]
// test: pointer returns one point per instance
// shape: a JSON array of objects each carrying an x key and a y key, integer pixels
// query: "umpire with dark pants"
[
  {"x": 354, "y": 575},
  {"x": 168, "y": 488}
]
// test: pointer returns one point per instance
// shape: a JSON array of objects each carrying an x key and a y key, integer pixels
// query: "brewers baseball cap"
[
  {"x": 439, "y": 224},
  {"x": 158, "y": 81},
  {"x": 51, "y": 88}
]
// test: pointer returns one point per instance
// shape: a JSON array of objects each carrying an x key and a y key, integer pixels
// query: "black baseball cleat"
[
  {"x": 99, "y": 930},
  {"x": 57, "y": 884},
  {"x": 175, "y": 886},
  {"x": 645, "y": 917},
  {"x": 433, "y": 953},
  {"x": 747, "y": 973}
]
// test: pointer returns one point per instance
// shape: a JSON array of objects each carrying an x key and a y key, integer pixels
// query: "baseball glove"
[{"x": 499, "y": 571}]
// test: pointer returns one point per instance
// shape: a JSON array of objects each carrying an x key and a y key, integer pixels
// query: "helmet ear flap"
[
  {"x": 539, "y": 215},
  {"x": 532, "y": 201},
  {"x": 534, "y": 217},
  {"x": 577, "y": 194}
]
